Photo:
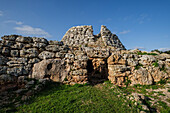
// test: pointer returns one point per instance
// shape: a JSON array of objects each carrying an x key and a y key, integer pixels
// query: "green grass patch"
[
  {"x": 164, "y": 108},
  {"x": 77, "y": 98},
  {"x": 138, "y": 66},
  {"x": 163, "y": 68},
  {"x": 162, "y": 81},
  {"x": 155, "y": 64},
  {"x": 145, "y": 53}
]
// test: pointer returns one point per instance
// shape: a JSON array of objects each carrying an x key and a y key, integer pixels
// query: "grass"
[
  {"x": 155, "y": 64},
  {"x": 138, "y": 66},
  {"x": 164, "y": 108},
  {"x": 163, "y": 69},
  {"x": 77, "y": 98},
  {"x": 142, "y": 89},
  {"x": 100, "y": 98},
  {"x": 145, "y": 53},
  {"x": 162, "y": 81}
]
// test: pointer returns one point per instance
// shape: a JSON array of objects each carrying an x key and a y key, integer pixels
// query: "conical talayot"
[{"x": 83, "y": 36}]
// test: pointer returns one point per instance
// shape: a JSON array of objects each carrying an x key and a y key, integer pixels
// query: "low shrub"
[
  {"x": 155, "y": 64},
  {"x": 138, "y": 66}
]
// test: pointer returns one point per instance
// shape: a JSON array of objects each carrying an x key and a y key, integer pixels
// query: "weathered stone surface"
[
  {"x": 69, "y": 56},
  {"x": 24, "y": 39},
  {"x": 147, "y": 59},
  {"x": 17, "y": 71},
  {"x": 80, "y": 58},
  {"x": 80, "y": 72},
  {"x": 117, "y": 70},
  {"x": 6, "y": 51},
  {"x": 14, "y": 53},
  {"x": 96, "y": 52},
  {"x": 32, "y": 52},
  {"x": 83, "y": 36},
  {"x": 51, "y": 68},
  {"x": 8, "y": 43},
  {"x": 27, "y": 46},
  {"x": 110, "y": 39},
  {"x": 22, "y": 52},
  {"x": 10, "y": 38},
  {"x": 40, "y": 40},
  {"x": 46, "y": 55},
  {"x": 64, "y": 49},
  {"x": 17, "y": 62},
  {"x": 3, "y": 69},
  {"x": 34, "y": 60},
  {"x": 52, "y": 48},
  {"x": 79, "y": 78},
  {"x": 18, "y": 46},
  {"x": 59, "y": 55},
  {"x": 132, "y": 62},
  {"x": 3, "y": 60},
  {"x": 60, "y": 43},
  {"x": 78, "y": 64},
  {"x": 5, "y": 78},
  {"x": 39, "y": 45},
  {"x": 157, "y": 74},
  {"x": 141, "y": 76},
  {"x": 163, "y": 56},
  {"x": 116, "y": 59}
]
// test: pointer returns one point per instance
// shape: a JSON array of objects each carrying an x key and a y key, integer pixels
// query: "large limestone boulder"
[{"x": 51, "y": 68}]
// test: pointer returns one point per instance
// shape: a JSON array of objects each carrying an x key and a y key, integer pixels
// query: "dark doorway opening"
[
  {"x": 97, "y": 74},
  {"x": 90, "y": 66}
]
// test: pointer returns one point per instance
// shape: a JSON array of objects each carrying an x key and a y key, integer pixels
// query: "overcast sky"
[{"x": 143, "y": 24}]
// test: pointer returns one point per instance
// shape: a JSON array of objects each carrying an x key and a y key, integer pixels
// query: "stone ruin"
[
  {"x": 80, "y": 57},
  {"x": 83, "y": 36}
]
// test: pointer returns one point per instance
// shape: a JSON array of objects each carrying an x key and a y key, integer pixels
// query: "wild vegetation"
[{"x": 104, "y": 97}]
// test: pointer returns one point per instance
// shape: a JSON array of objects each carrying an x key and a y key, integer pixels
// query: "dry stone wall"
[
  {"x": 137, "y": 69},
  {"x": 79, "y": 58}
]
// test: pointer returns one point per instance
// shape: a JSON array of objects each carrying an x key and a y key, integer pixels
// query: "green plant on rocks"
[
  {"x": 155, "y": 64},
  {"x": 127, "y": 82},
  {"x": 138, "y": 66},
  {"x": 145, "y": 53}
]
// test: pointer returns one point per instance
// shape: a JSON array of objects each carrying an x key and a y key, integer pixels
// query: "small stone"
[
  {"x": 19, "y": 91},
  {"x": 24, "y": 39},
  {"x": 46, "y": 55},
  {"x": 14, "y": 53},
  {"x": 5, "y": 51},
  {"x": 72, "y": 83},
  {"x": 40, "y": 40}
]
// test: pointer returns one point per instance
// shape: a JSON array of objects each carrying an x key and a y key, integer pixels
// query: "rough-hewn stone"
[
  {"x": 83, "y": 36},
  {"x": 51, "y": 68}
]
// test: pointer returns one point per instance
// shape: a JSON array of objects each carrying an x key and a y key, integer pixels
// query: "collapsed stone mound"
[
  {"x": 83, "y": 36},
  {"x": 124, "y": 67}
]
